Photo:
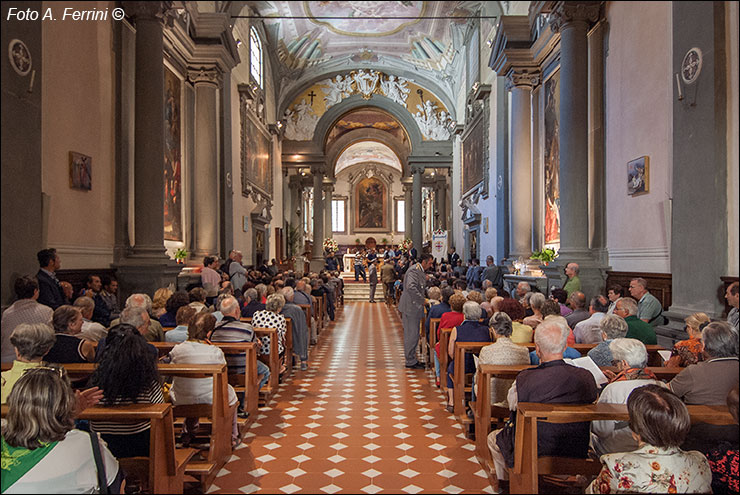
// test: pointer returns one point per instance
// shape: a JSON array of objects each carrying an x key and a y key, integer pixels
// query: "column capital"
[
  {"x": 566, "y": 13},
  {"x": 204, "y": 75},
  {"x": 328, "y": 185},
  {"x": 524, "y": 78},
  {"x": 318, "y": 168},
  {"x": 417, "y": 168},
  {"x": 163, "y": 12}
]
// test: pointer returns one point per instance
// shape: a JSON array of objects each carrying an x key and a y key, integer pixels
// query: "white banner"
[{"x": 439, "y": 245}]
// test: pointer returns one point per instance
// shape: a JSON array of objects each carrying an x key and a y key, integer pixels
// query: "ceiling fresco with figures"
[
  {"x": 366, "y": 118},
  {"x": 367, "y": 152},
  {"x": 430, "y": 114},
  {"x": 310, "y": 32}
]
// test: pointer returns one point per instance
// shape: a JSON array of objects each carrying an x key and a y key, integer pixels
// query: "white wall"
[
  {"x": 78, "y": 114},
  {"x": 639, "y": 122}
]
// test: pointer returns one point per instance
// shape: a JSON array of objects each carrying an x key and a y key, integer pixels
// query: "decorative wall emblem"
[
  {"x": 691, "y": 65},
  {"x": 20, "y": 57}
]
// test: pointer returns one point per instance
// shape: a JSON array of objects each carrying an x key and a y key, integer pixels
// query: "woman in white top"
[
  {"x": 198, "y": 350},
  {"x": 41, "y": 450},
  {"x": 631, "y": 358}
]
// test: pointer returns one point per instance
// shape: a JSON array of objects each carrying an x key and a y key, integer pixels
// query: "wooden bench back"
[{"x": 433, "y": 323}]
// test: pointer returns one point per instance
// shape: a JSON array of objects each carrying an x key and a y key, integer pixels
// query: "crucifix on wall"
[{"x": 311, "y": 95}]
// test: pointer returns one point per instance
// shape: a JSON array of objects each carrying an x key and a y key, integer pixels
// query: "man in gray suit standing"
[
  {"x": 373, "y": 275},
  {"x": 411, "y": 307}
]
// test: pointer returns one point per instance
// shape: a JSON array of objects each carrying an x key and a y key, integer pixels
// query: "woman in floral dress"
[{"x": 660, "y": 422}]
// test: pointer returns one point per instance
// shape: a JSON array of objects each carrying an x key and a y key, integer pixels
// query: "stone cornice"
[
  {"x": 189, "y": 52},
  {"x": 565, "y": 13},
  {"x": 161, "y": 11}
]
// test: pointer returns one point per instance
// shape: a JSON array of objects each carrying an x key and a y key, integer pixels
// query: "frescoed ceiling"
[
  {"x": 367, "y": 152},
  {"x": 366, "y": 119}
]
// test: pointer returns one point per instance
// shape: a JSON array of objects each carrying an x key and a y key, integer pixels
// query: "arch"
[
  {"x": 333, "y": 153},
  {"x": 331, "y": 116}
]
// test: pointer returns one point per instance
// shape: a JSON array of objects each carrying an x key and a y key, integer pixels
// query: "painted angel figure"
[
  {"x": 366, "y": 82},
  {"x": 396, "y": 89},
  {"x": 338, "y": 90},
  {"x": 301, "y": 128}
]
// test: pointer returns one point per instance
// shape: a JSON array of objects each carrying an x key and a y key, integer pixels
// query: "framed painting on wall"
[
  {"x": 172, "y": 157},
  {"x": 80, "y": 171},
  {"x": 638, "y": 174},
  {"x": 552, "y": 159},
  {"x": 256, "y": 154},
  {"x": 472, "y": 155},
  {"x": 371, "y": 205}
]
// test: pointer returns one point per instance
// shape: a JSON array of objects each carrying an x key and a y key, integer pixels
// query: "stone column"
[
  {"x": 317, "y": 252},
  {"x": 149, "y": 130},
  {"x": 571, "y": 19},
  {"x": 441, "y": 195},
  {"x": 417, "y": 171},
  {"x": 520, "y": 83},
  {"x": 407, "y": 187},
  {"x": 328, "y": 188},
  {"x": 205, "y": 185}
]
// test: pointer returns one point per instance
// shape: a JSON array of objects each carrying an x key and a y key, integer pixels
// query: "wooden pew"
[
  {"x": 272, "y": 360},
  {"x": 654, "y": 358},
  {"x": 164, "y": 470},
  {"x": 444, "y": 359},
  {"x": 433, "y": 322},
  {"x": 484, "y": 411},
  {"x": 459, "y": 377},
  {"x": 247, "y": 382},
  {"x": 524, "y": 477}
]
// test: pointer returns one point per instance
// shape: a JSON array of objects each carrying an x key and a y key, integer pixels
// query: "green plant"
[
  {"x": 358, "y": 241},
  {"x": 294, "y": 237},
  {"x": 384, "y": 241},
  {"x": 181, "y": 254},
  {"x": 546, "y": 255}
]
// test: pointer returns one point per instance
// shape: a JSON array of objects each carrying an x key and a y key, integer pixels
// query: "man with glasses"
[
  {"x": 649, "y": 309},
  {"x": 626, "y": 307}
]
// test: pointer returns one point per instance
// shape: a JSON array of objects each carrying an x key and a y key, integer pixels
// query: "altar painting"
[
  {"x": 371, "y": 205},
  {"x": 172, "y": 158},
  {"x": 552, "y": 159}
]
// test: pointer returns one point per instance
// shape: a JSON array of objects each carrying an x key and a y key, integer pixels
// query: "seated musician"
[
  {"x": 660, "y": 422},
  {"x": 553, "y": 382},
  {"x": 631, "y": 358}
]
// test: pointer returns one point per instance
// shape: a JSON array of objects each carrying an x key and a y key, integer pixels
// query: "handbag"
[
  {"x": 505, "y": 440},
  {"x": 99, "y": 466}
]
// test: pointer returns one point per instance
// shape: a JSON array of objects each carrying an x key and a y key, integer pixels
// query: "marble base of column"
[{"x": 147, "y": 278}]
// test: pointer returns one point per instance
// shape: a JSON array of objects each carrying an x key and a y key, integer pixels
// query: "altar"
[{"x": 348, "y": 261}]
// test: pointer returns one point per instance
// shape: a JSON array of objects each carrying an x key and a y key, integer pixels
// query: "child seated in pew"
[
  {"x": 660, "y": 422},
  {"x": 41, "y": 450},
  {"x": 199, "y": 350},
  {"x": 127, "y": 374}
]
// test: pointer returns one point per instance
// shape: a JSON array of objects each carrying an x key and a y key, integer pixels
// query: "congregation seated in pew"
[{"x": 197, "y": 350}]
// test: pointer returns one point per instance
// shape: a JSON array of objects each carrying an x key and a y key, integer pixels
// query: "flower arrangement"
[
  {"x": 546, "y": 255},
  {"x": 330, "y": 244},
  {"x": 405, "y": 245},
  {"x": 180, "y": 255}
]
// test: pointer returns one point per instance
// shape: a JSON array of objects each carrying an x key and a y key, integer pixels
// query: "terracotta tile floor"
[{"x": 355, "y": 422}]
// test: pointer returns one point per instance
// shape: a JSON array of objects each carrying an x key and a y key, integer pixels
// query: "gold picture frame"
[{"x": 638, "y": 176}]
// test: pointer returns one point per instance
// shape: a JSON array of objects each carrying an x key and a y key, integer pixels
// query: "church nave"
[{"x": 356, "y": 422}]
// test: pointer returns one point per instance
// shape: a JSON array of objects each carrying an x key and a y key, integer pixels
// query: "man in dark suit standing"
[
  {"x": 452, "y": 257},
  {"x": 50, "y": 292},
  {"x": 411, "y": 307},
  {"x": 413, "y": 253}
]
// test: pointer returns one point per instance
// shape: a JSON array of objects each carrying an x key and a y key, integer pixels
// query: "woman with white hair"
[
  {"x": 31, "y": 342},
  {"x": 470, "y": 330},
  {"x": 536, "y": 301},
  {"x": 630, "y": 356},
  {"x": 270, "y": 317}
]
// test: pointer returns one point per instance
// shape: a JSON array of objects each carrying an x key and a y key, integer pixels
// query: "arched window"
[{"x": 255, "y": 56}]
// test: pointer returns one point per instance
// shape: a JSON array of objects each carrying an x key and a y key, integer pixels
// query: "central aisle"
[{"x": 357, "y": 421}]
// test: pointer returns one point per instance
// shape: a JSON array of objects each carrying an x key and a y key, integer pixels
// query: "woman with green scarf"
[{"x": 41, "y": 450}]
